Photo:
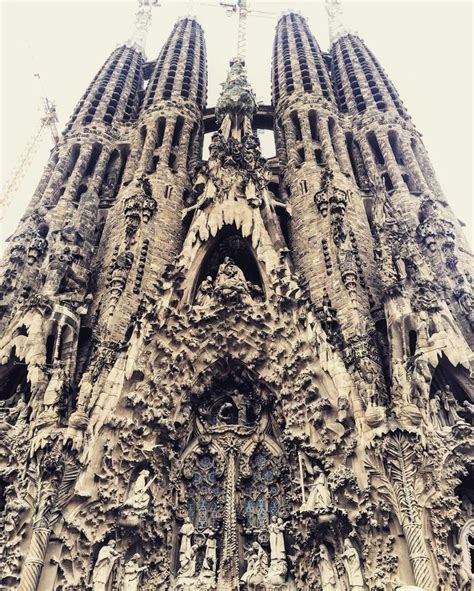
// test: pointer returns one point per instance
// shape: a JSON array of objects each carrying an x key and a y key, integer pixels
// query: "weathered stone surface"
[{"x": 238, "y": 373}]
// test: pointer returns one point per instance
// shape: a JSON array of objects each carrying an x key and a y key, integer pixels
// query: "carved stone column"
[
  {"x": 34, "y": 561},
  {"x": 228, "y": 577},
  {"x": 401, "y": 466}
]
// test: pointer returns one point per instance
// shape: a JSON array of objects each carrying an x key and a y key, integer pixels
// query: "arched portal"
[
  {"x": 229, "y": 478},
  {"x": 229, "y": 245}
]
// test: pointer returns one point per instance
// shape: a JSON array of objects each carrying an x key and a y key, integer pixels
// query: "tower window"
[
  {"x": 393, "y": 140},
  {"x": 296, "y": 126},
  {"x": 387, "y": 182},
  {"x": 313, "y": 125},
  {"x": 374, "y": 146},
  {"x": 177, "y": 131},
  {"x": 161, "y": 126}
]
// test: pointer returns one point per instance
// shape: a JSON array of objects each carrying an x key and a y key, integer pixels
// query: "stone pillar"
[{"x": 35, "y": 559}]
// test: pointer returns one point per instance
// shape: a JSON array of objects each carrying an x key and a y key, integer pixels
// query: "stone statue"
[
  {"x": 319, "y": 496},
  {"x": 351, "y": 561},
  {"x": 436, "y": 413},
  {"x": 131, "y": 574},
  {"x": 276, "y": 530},
  {"x": 450, "y": 405},
  {"x": 278, "y": 566},
  {"x": 231, "y": 283},
  {"x": 240, "y": 402},
  {"x": 225, "y": 415},
  {"x": 186, "y": 554},
  {"x": 209, "y": 565},
  {"x": 187, "y": 568},
  {"x": 204, "y": 294},
  {"x": 139, "y": 497},
  {"x": 399, "y": 380},
  {"x": 423, "y": 333},
  {"x": 326, "y": 570},
  {"x": 55, "y": 388},
  {"x": 257, "y": 566},
  {"x": 343, "y": 408},
  {"x": 421, "y": 380},
  {"x": 102, "y": 575}
]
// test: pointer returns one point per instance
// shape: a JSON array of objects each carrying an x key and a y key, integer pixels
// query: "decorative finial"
[
  {"x": 336, "y": 27},
  {"x": 142, "y": 24}
]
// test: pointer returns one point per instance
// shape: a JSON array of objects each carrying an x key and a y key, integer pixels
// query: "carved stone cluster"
[{"x": 237, "y": 374}]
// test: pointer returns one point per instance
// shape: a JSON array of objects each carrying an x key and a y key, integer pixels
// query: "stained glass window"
[
  {"x": 205, "y": 494},
  {"x": 261, "y": 492}
]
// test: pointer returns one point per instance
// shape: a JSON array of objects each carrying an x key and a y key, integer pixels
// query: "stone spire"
[
  {"x": 335, "y": 20},
  {"x": 137, "y": 39},
  {"x": 237, "y": 103}
]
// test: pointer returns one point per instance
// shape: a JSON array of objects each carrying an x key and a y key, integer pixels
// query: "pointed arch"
[{"x": 229, "y": 242}]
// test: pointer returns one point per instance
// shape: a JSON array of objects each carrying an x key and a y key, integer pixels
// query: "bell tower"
[{"x": 237, "y": 373}]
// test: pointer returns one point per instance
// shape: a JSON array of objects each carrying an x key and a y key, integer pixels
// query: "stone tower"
[{"x": 237, "y": 373}]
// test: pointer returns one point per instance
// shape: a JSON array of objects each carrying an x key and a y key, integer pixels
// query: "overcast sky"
[{"x": 425, "y": 47}]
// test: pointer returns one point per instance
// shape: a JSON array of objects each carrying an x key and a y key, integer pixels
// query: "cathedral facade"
[{"x": 237, "y": 373}]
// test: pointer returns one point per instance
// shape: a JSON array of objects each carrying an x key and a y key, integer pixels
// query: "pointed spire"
[
  {"x": 137, "y": 39},
  {"x": 237, "y": 104},
  {"x": 335, "y": 20}
]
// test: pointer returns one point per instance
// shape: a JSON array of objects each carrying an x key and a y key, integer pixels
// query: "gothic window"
[
  {"x": 261, "y": 492},
  {"x": 467, "y": 545},
  {"x": 205, "y": 493}
]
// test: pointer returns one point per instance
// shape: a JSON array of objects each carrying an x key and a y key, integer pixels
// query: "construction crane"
[
  {"x": 49, "y": 120},
  {"x": 242, "y": 9}
]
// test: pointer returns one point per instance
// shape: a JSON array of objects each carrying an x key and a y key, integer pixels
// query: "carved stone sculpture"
[
  {"x": 187, "y": 553},
  {"x": 209, "y": 565},
  {"x": 319, "y": 497},
  {"x": 245, "y": 386},
  {"x": 136, "y": 504},
  {"x": 351, "y": 561},
  {"x": 132, "y": 573},
  {"x": 104, "y": 566},
  {"x": 257, "y": 566},
  {"x": 329, "y": 581}
]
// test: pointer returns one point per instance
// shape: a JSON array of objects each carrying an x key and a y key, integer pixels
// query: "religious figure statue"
[
  {"x": 186, "y": 553},
  {"x": 421, "y": 380},
  {"x": 343, "y": 408},
  {"x": 319, "y": 496},
  {"x": 209, "y": 565},
  {"x": 55, "y": 388},
  {"x": 102, "y": 574},
  {"x": 15, "y": 417},
  {"x": 422, "y": 329},
  {"x": 225, "y": 415},
  {"x": 131, "y": 574},
  {"x": 351, "y": 560},
  {"x": 399, "y": 380},
  {"x": 204, "y": 294},
  {"x": 139, "y": 497},
  {"x": 257, "y": 566},
  {"x": 436, "y": 413},
  {"x": 278, "y": 566},
  {"x": 240, "y": 402},
  {"x": 400, "y": 267},
  {"x": 187, "y": 568},
  {"x": 450, "y": 405},
  {"x": 326, "y": 570},
  {"x": 276, "y": 530},
  {"x": 231, "y": 283}
]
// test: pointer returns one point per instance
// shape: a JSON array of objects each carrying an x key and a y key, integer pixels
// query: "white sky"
[{"x": 425, "y": 47}]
